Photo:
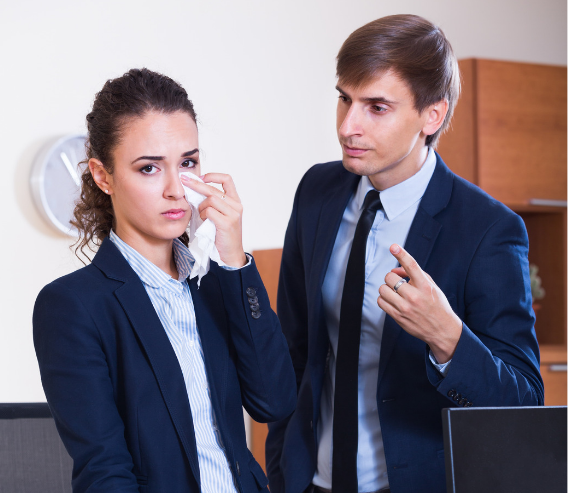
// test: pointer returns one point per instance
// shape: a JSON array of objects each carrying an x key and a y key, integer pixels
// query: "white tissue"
[{"x": 202, "y": 234}]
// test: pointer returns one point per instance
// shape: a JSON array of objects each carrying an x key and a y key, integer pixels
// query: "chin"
[
  {"x": 356, "y": 166},
  {"x": 171, "y": 233}
]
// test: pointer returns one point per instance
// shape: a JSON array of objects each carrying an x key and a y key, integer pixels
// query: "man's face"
[{"x": 381, "y": 132}]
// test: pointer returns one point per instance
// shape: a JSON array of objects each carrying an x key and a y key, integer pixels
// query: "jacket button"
[
  {"x": 462, "y": 401},
  {"x": 456, "y": 397},
  {"x": 253, "y": 300},
  {"x": 251, "y": 292},
  {"x": 255, "y": 307},
  {"x": 451, "y": 393},
  {"x": 256, "y": 315},
  {"x": 468, "y": 404},
  {"x": 237, "y": 467}
]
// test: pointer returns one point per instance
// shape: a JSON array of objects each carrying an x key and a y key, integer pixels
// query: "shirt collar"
[
  {"x": 400, "y": 197},
  {"x": 149, "y": 273}
]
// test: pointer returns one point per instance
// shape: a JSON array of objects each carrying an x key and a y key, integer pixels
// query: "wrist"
[
  {"x": 237, "y": 261},
  {"x": 444, "y": 347}
]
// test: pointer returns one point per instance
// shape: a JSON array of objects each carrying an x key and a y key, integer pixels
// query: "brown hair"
[
  {"x": 132, "y": 95},
  {"x": 415, "y": 49}
]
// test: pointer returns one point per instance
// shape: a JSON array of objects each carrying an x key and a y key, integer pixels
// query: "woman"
[{"x": 146, "y": 374}]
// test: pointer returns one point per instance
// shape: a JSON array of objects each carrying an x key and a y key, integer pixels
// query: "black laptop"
[{"x": 506, "y": 449}]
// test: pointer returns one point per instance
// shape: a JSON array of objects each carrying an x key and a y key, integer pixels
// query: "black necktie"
[{"x": 345, "y": 425}]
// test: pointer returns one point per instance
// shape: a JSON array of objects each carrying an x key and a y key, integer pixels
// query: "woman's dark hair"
[
  {"x": 415, "y": 49},
  {"x": 136, "y": 93}
]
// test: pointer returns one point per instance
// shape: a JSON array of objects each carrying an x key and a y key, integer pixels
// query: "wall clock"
[{"x": 56, "y": 181}]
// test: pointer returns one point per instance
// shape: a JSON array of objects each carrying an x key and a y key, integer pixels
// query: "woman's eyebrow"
[
  {"x": 149, "y": 158},
  {"x": 161, "y": 158},
  {"x": 189, "y": 153}
]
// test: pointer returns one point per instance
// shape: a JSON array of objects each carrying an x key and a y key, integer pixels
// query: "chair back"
[{"x": 32, "y": 456}]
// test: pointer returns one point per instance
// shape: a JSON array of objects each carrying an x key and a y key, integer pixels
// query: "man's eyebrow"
[
  {"x": 378, "y": 99},
  {"x": 161, "y": 158},
  {"x": 374, "y": 99}
]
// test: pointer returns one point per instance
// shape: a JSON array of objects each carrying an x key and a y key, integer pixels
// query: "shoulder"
[
  {"x": 474, "y": 209},
  {"x": 85, "y": 283},
  {"x": 478, "y": 202},
  {"x": 321, "y": 181},
  {"x": 323, "y": 175}
]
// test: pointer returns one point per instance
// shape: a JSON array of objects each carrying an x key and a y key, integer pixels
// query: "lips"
[
  {"x": 174, "y": 213},
  {"x": 354, "y": 151}
]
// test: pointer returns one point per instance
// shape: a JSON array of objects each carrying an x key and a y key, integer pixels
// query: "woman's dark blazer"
[{"x": 116, "y": 390}]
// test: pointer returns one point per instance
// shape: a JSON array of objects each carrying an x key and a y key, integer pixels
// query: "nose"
[
  {"x": 349, "y": 123},
  {"x": 173, "y": 188}
]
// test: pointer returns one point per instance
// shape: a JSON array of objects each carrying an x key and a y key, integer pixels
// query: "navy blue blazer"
[
  {"x": 476, "y": 250},
  {"x": 116, "y": 390}
]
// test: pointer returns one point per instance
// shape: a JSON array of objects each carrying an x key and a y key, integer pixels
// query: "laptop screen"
[{"x": 506, "y": 449}]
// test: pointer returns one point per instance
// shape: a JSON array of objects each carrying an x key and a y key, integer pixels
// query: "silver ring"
[{"x": 399, "y": 284}]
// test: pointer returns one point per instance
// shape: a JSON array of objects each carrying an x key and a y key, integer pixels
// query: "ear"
[
  {"x": 435, "y": 116},
  {"x": 101, "y": 176}
]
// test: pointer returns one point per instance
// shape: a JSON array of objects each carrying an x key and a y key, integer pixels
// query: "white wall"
[{"x": 261, "y": 75}]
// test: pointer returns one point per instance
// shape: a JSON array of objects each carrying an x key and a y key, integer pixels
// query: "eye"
[
  {"x": 379, "y": 109},
  {"x": 343, "y": 98},
  {"x": 188, "y": 163},
  {"x": 149, "y": 169}
]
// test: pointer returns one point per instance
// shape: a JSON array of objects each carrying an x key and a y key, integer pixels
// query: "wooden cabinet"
[
  {"x": 554, "y": 374},
  {"x": 509, "y": 137},
  {"x": 509, "y": 132}
]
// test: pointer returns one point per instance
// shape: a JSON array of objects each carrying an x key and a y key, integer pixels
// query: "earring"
[{"x": 106, "y": 191}]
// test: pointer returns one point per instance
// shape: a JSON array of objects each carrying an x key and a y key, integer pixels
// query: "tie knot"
[{"x": 372, "y": 201}]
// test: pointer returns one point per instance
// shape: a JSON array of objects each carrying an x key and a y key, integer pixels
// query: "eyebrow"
[
  {"x": 373, "y": 99},
  {"x": 161, "y": 158}
]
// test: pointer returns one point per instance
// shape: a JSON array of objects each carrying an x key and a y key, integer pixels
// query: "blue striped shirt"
[{"x": 173, "y": 303}]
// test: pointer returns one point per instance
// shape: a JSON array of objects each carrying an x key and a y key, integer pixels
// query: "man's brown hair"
[{"x": 415, "y": 49}]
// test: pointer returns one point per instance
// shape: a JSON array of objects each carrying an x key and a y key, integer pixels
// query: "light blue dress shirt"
[
  {"x": 391, "y": 225},
  {"x": 173, "y": 303}
]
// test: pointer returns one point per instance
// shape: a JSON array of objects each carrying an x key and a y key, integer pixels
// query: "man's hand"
[{"x": 420, "y": 307}]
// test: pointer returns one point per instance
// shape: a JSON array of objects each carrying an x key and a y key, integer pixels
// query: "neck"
[
  {"x": 157, "y": 251},
  {"x": 402, "y": 169}
]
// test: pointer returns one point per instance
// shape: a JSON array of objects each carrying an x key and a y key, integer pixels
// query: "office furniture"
[
  {"x": 32, "y": 456},
  {"x": 506, "y": 450}
]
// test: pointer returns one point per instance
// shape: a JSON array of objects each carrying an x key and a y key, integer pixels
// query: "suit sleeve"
[
  {"x": 496, "y": 362},
  {"x": 265, "y": 371},
  {"x": 76, "y": 381},
  {"x": 293, "y": 314}
]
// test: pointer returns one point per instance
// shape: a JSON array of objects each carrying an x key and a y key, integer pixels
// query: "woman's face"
[{"x": 148, "y": 198}]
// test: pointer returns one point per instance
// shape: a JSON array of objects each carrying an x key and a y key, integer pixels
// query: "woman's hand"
[{"x": 224, "y": 209}]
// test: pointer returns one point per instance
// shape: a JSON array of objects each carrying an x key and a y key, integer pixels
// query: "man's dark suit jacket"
[
  {"x": 476, "y": 250},
  {"x": 116, "y": 389}
]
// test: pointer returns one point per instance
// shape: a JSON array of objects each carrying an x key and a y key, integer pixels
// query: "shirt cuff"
[
  {"x": 442, "y": 367},
  {"x": 228, "y": 267}
]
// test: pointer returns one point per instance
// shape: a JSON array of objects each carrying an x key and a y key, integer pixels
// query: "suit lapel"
[
  {"x": 329, "y": 220},
  {"x": 420, "y": 241},
  {"x": 211, "y": 322},
  {"x": 139, "y": 309}
]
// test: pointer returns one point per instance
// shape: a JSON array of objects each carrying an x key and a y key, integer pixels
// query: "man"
[{"x": 379, "y": 349}]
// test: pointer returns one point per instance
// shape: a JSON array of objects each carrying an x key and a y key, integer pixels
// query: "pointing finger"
[{"x": 409, "y": 264}]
